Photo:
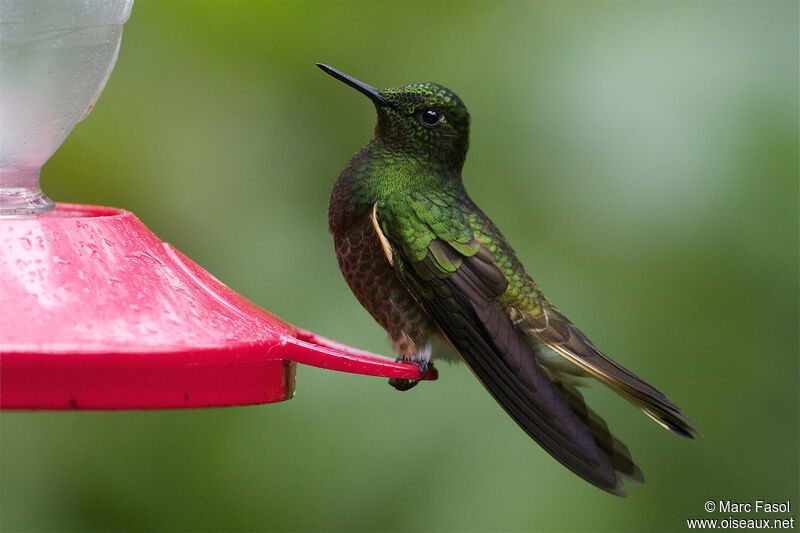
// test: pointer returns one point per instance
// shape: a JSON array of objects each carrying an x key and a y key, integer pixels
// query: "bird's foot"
[{"x": 406, "y": 384}]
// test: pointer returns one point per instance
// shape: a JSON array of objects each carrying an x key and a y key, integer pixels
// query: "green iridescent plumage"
[{"x": 425, "y": 261}]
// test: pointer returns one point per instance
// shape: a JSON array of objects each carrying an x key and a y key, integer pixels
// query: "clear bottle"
[{"x": 55, "y": 59}]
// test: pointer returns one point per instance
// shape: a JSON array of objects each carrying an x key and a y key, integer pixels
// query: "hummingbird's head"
[{"x": 424, "y": 121}]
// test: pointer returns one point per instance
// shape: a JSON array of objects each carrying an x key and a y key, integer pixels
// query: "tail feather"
[
  {"x": 673, "y": 420},
  {"x": 561, "y": 336},
  {"x": 616, "y": 450}
]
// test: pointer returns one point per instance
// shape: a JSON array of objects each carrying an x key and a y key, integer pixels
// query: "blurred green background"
[{"x": 642, "y": 159}]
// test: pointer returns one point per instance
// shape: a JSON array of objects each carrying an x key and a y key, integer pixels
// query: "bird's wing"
[
  {"x": 553, "y": 329},
  {"x": 457, "y": 281}
]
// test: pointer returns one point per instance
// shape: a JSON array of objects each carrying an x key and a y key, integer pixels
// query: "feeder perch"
[{"x": 95, "y": 311}]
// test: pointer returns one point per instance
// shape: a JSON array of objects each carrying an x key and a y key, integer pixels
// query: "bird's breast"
[{"x": 374, "y": 282}]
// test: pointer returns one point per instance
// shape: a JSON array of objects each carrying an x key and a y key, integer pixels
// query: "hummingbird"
[{"x": 428, "y": 265}]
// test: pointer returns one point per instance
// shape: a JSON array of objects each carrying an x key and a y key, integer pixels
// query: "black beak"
[{"x": 371, "y": 92}]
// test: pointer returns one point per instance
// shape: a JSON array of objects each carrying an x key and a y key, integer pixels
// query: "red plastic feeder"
[
  {"x": 98, "y": 313},
  {"x": 95, "y": 311}
]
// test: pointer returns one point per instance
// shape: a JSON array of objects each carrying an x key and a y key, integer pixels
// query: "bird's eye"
[{"x": 431, "y": 118}]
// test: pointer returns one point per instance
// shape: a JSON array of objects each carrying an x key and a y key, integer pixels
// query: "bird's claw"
[
  {"x": 424, "y": 366},
  {"x": 406, "y": 384}
]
